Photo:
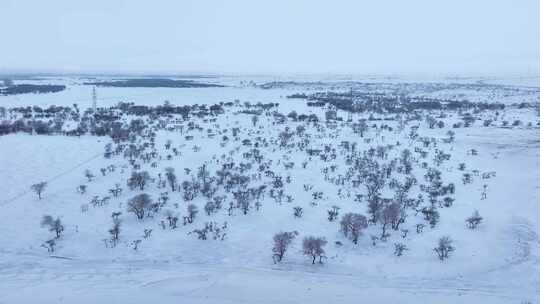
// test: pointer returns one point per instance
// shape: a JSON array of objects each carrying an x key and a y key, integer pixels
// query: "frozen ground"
[{"x": 498, "y": 263}]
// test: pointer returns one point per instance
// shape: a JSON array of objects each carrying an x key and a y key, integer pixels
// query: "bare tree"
[
  {"x": 54, "y": 225},
  {"x": 171, "y": 177},
  {"x": 243, "y": 200},
  {"x": 189, "y": 190},
  {"x": 192, "y": 211},
  {"x": 138, "y": 179},
  {"x": 203, "y": 173},
  {"x": 390, "y": 214},
  {"x": 209, "y": 207},
  {"x": 431, "y": 215},
  {"x": 115, "y": 231},
  {"x": 373, "y": 179},
  {"x": 314, "y": 248},
  {"x": 444, "y": 248},
  {"x": 352, "y": 225},
  {"x": 139, "y": 205},
  {"x": 375, "y": 205},
  {"x": 39, "y": 188},
  {"x": 282, "y": 241},
  {"x": 360, "y": 127},
  {"x": 172, "y": 218}
]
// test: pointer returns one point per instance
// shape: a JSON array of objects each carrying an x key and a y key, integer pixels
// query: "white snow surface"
[{"x": 496, "y": 263}]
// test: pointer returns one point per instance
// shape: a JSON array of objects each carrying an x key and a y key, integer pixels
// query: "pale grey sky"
[{"x": 278, "y": 36}]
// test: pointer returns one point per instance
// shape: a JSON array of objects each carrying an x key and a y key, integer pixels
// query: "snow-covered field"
[{"x": 498, "y": 262}]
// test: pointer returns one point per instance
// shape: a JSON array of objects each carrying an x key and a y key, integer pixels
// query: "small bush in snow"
[
  {"x": 217, "y": 232},
  {"x": 116, "y": 191},
  {"x": 81, "y": 189},
  {"x": 333, "y": 213},
  {"x": 50, "y": 245},
  {"x": 399, "y": 248},
  {"x": 474, "y": 220},
  {"x": 147, "y": 233},
  {"x": 298, "y": 211},
  {"x": 88, "y": 174}
]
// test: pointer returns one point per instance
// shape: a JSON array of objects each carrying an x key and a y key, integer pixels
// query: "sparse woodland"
[{"x": 371, "y": 175}]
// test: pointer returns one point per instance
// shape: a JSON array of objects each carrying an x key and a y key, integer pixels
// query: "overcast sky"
[{"x": 462, "y": 37}]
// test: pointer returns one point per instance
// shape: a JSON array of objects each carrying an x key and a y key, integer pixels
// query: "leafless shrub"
[
  {"x": 399, "y": 248},
  {"x": 474, "y": 220}
]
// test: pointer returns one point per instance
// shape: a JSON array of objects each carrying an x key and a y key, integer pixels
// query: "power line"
[
  {"x": 51, "y": 179},
  {"x": 120, "y": 98}
]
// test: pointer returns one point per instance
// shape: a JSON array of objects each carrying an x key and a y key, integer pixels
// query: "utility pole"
[
  {"x": 349, "y": 114},
  {"x": 94, "y": 100}
]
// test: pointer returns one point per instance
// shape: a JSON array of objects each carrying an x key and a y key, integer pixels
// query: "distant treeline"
[
  {"x": 382, "y": 103},
  {"x": 106, "y": 121},
  {"x": 153, "y": 83},
  {"x": 31, "y": 88}
]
